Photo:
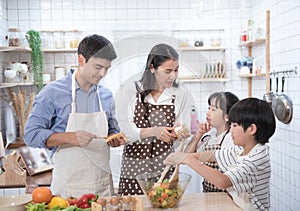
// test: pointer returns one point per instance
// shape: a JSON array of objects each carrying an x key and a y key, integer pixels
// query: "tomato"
[
  {"x": 41, "y": 194},
  {"x": 164, "y": 195},
  {"x": 72, "y": 200},
  {"x": 57, "y": 201}
]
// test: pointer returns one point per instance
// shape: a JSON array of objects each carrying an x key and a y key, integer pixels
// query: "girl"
[{"x": 214, "y": 134}]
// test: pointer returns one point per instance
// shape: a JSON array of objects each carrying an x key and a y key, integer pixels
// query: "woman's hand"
[
  {"x": 165, "y": 134},
  {"x": 116, "y": 140}
]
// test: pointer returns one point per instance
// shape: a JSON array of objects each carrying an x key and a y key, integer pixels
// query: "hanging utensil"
[
  {"x": 269, "y": 97},
  {"x": 283, "y": 106},
  {"x": 276, "y": 94}
]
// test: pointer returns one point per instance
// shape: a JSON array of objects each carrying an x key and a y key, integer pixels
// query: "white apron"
[{"x": 81, "y": 170}]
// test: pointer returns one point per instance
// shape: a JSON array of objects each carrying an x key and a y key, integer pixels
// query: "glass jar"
[
  {"x": 59, "y": 40},
  {"x": 73, "y": 39},
  {"x": 127, "y": 203},
  {"x": 47, "y": 39},
  {"x": 114, "y": 204},
  {"x": 14, "y": 37},
  {"x": 102, "y": 202}
]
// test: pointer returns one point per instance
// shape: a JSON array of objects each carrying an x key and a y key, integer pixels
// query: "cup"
[{"x": 29, "y": 188}]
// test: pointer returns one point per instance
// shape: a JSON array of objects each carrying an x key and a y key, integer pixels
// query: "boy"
[{"x": 246, "y": 167}]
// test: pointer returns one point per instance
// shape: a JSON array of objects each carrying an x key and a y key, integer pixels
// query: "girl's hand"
[{"x": 202, "y": 128}]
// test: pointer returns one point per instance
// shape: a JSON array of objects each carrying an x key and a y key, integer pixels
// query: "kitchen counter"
[
  {"x": 203, "y": 201},
  {"x": 42, "y": 179}
]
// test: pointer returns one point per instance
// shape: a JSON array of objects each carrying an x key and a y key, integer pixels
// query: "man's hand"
[{"x": 82, "y": 138}]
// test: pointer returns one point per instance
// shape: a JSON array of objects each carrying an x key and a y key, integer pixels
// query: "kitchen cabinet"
[
  {"x": 252, "y": 44},
  {"x": 203, "y": 52}
]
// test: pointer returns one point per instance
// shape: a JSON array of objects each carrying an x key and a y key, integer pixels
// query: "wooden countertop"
[
  {"x": 42, "y": 179},
  {"x": 203, "y": 201}
]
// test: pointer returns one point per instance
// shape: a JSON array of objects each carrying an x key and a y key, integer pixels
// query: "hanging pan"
[
  {"x": 269, "y": 96},
  {"x": 283, "y": 106}
]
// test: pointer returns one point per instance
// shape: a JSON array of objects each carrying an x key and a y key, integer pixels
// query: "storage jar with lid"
[
  {"x": 59, "y": 40},
  {"x": 14, "y": 37},
  {"x": 73, "y": 38}
]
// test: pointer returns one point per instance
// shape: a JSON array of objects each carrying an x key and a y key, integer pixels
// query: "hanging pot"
[
  {"x": 283, "y": 106},
  {"x": 269, "y": 96}
]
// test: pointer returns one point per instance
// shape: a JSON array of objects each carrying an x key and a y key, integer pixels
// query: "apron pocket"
[{"x": 103, "y": 187}]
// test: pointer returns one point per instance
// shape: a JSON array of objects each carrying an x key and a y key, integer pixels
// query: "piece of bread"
[
  {"x": 180, "y": 130},
  {"x": 117, "y": 135}
]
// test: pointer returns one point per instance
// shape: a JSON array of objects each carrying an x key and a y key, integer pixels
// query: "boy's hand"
[{"x": 176, "y": 158}]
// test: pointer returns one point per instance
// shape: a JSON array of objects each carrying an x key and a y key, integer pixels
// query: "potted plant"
[{"x": 37, "y": 64}]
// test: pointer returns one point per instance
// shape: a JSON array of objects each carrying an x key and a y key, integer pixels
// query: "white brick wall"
[{"x": 105, "y": 16}]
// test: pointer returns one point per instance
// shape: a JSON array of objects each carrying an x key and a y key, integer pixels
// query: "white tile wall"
[{"x": 105, "y": 17}]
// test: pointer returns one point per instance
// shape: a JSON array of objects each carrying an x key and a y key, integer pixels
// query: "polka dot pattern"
[{"x": 148, "y": 154}]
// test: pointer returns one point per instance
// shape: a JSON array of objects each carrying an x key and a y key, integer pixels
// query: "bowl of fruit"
[{"x": 166, "y": 194}]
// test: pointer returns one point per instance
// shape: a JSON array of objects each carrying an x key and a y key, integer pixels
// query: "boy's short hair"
[
  {"x": 96, "y": 46},
  {"x": 254, "y": 111}
]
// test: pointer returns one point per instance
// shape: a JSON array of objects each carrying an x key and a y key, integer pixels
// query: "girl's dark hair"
[
  {"x": 224, "y": 100},
  {"x": 96, "y": 46},
  {"x": 158, "y": 55},
  {"x": 254, "y": 111}
]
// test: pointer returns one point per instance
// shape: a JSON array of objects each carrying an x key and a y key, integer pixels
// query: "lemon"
[{"x": 57, "y": 201}]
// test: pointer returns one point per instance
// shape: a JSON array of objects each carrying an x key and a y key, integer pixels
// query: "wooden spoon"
[{"x": 175, "y": 176}]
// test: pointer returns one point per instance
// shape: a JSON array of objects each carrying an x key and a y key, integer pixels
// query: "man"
[{"x": 72, "y": 117}]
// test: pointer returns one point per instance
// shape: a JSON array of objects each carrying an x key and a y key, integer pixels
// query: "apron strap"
[{"x": 73, "y": 105}]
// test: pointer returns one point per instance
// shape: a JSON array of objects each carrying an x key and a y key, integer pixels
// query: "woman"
[{"x": 154, "y": 105}]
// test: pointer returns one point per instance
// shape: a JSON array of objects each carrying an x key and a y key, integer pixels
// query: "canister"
[
  {"x": 14, "y": 37},
  {"x": 59, "y": 72},
  {"x": 59, "y": 40}
]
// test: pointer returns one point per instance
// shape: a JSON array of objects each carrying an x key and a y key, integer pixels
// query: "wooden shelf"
[
  {"x": 252, "y": 43},
  {"x": 14, "y": 49},
  {"x": 64, "y": 50},
  {"x": 211, "y": 48},
  {"x": 28, "y": 50},
  {"x": 196, "y": 79},
  {"x": 7, "y": 85},
  {"x": 250, "y": 75}
]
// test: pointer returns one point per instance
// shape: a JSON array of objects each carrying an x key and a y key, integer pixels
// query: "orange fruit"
[
  {"x": 41, "y": 194},
  {"x": 57, "y": 201}
]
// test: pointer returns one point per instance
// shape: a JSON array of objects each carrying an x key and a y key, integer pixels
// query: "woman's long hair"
[{"x": 158, "y": 55}]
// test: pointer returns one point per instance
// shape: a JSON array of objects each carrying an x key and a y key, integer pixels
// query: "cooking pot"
[
  {"x": 283, "y": 106},
  {"x": 269, "y": 96}
]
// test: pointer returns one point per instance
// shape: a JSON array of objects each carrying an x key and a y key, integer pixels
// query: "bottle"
[
  {"x": 243, "y": 36},
  {"x": 127, "y": 203},
  {"x": 194, "y": 119},
  {"x": 114, "y": 204},
  {"x": 102, "y": 202},
  {"x": 250, "y": 36}
]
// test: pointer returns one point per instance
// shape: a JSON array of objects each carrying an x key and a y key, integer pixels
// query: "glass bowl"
[
  {"x": 14, "y": 203},
  {"x": 163, "y": 195}
]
